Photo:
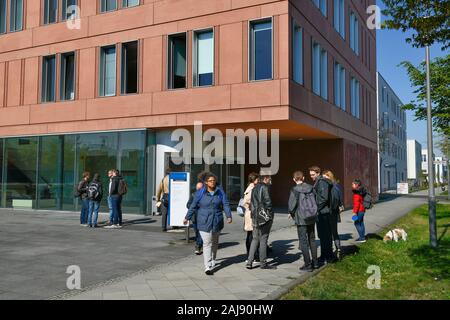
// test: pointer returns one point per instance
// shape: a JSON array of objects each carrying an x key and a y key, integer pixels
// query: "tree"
[
  {"x": 428, "y": 18},
  {"x": 440, "y": 92}
]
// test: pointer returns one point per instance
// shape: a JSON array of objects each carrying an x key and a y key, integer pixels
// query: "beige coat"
[{"x": 248, "y": 225}]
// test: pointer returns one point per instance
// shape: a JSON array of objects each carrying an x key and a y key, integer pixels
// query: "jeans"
[
  {"x": 164, "y": 212},
  {"x": 198, "y": 237},
  {"x": 307, "y": 239},
  {"x": 111, "y": 216},
  {"x": 248, "y": 244},
  {"x": 210, "y": 247},
  {"x": 360, "y": 227},
  {"x": 334, "y": 219},
  {"x": 260, "y": 238},
  {"x": 84, "y": 211},
  {"x": 116, "y": 202},
  {"x": 94, "y": 207},
  {"x": 325, "y": 236}
]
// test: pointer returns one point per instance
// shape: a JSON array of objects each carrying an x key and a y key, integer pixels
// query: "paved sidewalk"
[{"x": 185, "y": 279}]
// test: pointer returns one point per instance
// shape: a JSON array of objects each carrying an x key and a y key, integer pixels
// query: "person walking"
[
  {"x": 358, "y": 209},
  {"x": 111, "y": 216},
  {"x": 95, "y": 194},
  {"x": 302, "y": 208},
  {"x": 262, "y": 219},
  {"x": 82, "y": 192},
  {"x": 253, "y": 180},
  {"x": 198, "y": 239},
  {"x": 162, "y": 196},
  {"x": 210, "y": 202},
  {"x": 336, "y": 207},
  {"x": 322, "y": 188}
]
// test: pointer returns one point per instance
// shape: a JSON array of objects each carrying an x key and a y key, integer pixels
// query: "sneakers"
[
  {"x": 265, "y": 266},
  {"x": 209, "y": 272},
  {"x": 339, "y": 254},
  {"x": 117, "y": 226},
  {"x": 249, "y": 265},
  {"x": 361, "y": 240},
  {"x": 198, "y": 250},
  {"x": 307, "y": 267}
]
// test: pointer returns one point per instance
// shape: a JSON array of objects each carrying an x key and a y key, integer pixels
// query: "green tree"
[
  {"x": 440, "y": 92},
  {"x": 429, "y": 20}
]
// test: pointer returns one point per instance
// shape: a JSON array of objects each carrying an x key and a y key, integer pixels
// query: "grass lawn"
[
  {"x": 444, "y": 193},
  {"x": 409, "y": 270}
]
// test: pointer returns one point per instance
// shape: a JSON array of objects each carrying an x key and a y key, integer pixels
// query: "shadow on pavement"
[{"x": 374, "y": 236}]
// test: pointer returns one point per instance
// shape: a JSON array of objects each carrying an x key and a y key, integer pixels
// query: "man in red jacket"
[{"x": 358, "y": 209}]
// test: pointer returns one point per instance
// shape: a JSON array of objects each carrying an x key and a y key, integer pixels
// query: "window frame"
[
  {"x": 44, "y": 86},
  {"x": 22, "y": 27},
  {"x": 138, "y": 66},
  {"x": 5, "y": 22},
  {"x": 169, "y": 64},
  {"x": 62, "y": 80},
  {"x": 342, "y": 84},
  {"x": 250, "y": 51},
  {"x": 322, "y": 82},
  {"x": 195, "y": 74},
  {"x": 119, "y": 6},
  {"x": 101, "y": 84},
  {"x": 301, "y": 65},
  {"x": 43, "y": 13}
]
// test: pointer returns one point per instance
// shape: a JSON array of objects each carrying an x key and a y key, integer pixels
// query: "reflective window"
[
  {"x": 261, "y": 50},
  {"x": 48, "y": 79},
  {"x": 3, "y": 15},
  {"x": 107, "y": 71},
  {"x": 339, "y": 17},
  {"x": 68, "y": 10},
  {"x": 355, "y": 97},
  {"x": 67, "y": 78},
  {"x": 108, "y": 5},
  {"x": 297, "y": 53},
  {"x": 354, "y": 33},
  {"x": 15, "y": 15},
  {"x": 177, "y": 61},
  {"x": 320, "y": 71},
  {"x": 50, "y": 11},
  {"x": 203, "y": 68},
  {"x": 129, "y": 3},
  {"x": 321, "y": 5},
  {"x": 339, "y": 86}
]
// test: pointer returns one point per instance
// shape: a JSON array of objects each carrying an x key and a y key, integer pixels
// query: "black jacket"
[
  {"x": 114, "y": 190},
  {"x": 322, "y": 188},
  {"x": 260, "y": 199},
  {"x": 83, "y": 189}
]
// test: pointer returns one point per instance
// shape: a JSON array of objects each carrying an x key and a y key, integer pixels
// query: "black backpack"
[
  {"x": 367, "y": 200},
  {"x": 93, "y": 191},
  {"x": 123, "y": 187},
  {"x": 307, "y": 206},
  {"x": 335, "y": 198}
]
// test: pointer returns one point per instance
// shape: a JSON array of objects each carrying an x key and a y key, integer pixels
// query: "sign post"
[{"x": 179, "y": 194}]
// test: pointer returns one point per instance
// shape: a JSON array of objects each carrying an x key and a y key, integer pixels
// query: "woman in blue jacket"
[{"x": 210, "y": 202}]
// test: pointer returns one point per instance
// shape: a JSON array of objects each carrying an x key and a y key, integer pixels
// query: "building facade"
[
  {"x": 105, "y": 86},
  {"x": 414, "y": 162},
  {"x": 440, "y": 167},
  {"x": 392, "y": 159}
]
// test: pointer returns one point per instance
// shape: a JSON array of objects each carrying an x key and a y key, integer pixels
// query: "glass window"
[
  {"x": 339, "y": 86},
  {"x": 50, "y": 11},
  {"x": 16, "y": 15},
  {"x": 3, "y": 15},
  {"x": 108, "y": 5},
  {"x": 69, "y": 10},
  {"x": 177, "y": 61},
  {"x": 355, "y": 97},
  {"x": 261, "y": 50},
  {"x": 107, "y": 71},
  {"x": 203, "y": 68},
  {"x": 129, "y": 78},
  {"x": 67, "y": 78},
  {"x": 322, "y": 5},
  {"x": 48, "y": 78},
  {"x": 339, "y": 17},
  {"x": 320, "y": 71},
  {"x": 20, "y": 161},
  {"x": 354, "y": 33},
  {"x": 297, "y": 53},
  {"x": 129, "y": 3}
]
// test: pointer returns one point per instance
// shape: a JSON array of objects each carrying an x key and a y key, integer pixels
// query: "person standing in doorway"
[
  {"x": 322, "y": 188},
  {"x": 358, "y": 209},
  {"x": 82, "y": 189},
  {"x": 210, "y": 203},
  {"x": 301, "y": 202},
  {"x": 262, "y": 218},
  {"x": 162, "y": 196},
  {"x": 336, "y": 206},
  {"x": 95, "y": 194}
]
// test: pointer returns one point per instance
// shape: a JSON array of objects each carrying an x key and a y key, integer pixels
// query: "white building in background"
[
  {"x": 391, "y": 137},
  {"x": 440, "y": 167},
  {"x": 414, "y": 162}
]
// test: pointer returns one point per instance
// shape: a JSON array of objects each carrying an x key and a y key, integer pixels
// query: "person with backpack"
[
  {"x": 359, "y": 209},
  {"x": 162, "y": 196},
  {"x": 336, "y": 206},
  {"x": 95, "y": 194},
  {"x": 302, "y": 208},
  {"x": 81, "y": 192},
  {"x": 322, "y": 188},
  {"x": 209, "y": 203},
  {"x": 262, "y": 219}
]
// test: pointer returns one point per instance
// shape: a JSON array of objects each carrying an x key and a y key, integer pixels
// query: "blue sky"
[{"x": 391, "y": 50}]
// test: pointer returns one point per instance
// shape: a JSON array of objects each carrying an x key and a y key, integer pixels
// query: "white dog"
[{"x": 395, "y": 235}]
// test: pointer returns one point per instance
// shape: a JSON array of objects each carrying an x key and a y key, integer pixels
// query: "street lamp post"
[{"x": 431, "y": 193}]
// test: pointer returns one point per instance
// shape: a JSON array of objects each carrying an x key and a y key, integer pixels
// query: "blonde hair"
[{"x": 330, "y": 175}]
